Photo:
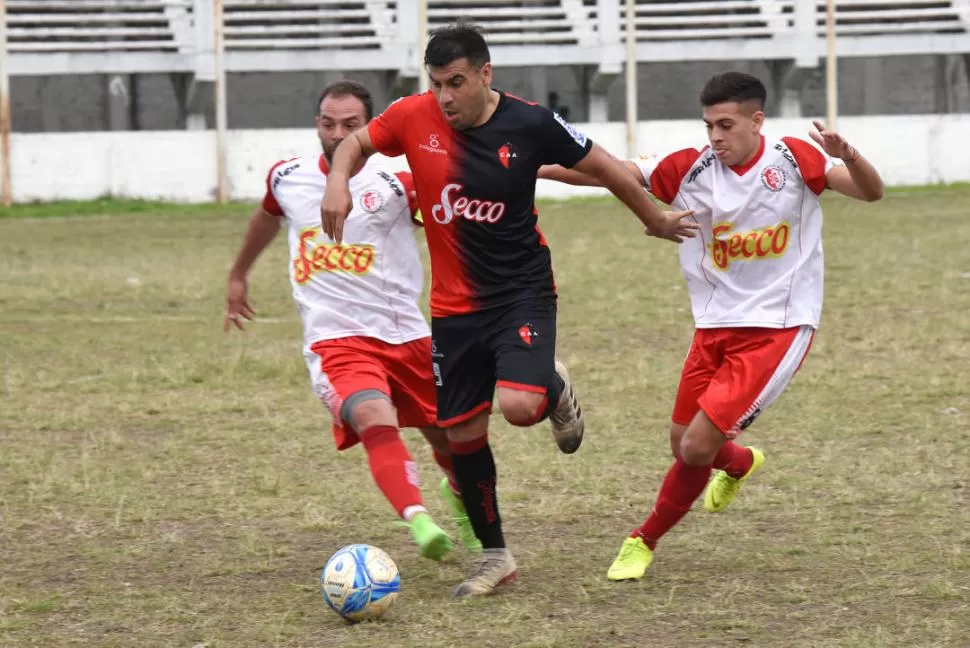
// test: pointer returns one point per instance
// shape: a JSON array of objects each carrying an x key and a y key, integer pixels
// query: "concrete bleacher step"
[{"x": 56, "y": 36}]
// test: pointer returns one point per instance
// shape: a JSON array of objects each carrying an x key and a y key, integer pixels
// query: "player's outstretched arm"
[
  {"x": 858, "y": 178},
  {"x": 613, "y": 175},
  {"x": 263, "y": 227},
  {"x": 574, "y": 177},
  {"x": 336, "y": 203}
]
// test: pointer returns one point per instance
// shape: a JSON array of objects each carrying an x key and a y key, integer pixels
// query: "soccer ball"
[{"x": 360, "y": 582}]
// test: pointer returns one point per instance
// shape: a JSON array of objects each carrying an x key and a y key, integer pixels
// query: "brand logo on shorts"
[
  {"x": 508, "y": 155},
  {"x": 748, "y": 420},
  {"x": 773, "y": 178},
  {"x": 437, "y": 374},
  {"x": 527, "y": 332},
  {"x": 454, "y": 204},
  {"x": 763, "y": 243},
  {"x": 371, "y": 201}
]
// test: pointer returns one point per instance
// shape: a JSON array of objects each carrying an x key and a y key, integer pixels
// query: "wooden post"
[
  {"x": 831, "y": 68},
  {"x": 631, "y": 79},
  {"x": 5, "y": 108},
  {"x": 222, "y": 180}
]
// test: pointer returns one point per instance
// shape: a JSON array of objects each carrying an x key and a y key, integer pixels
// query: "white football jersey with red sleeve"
[
  {"x": 368, "y": 285},
  {"x": 757, "y": 260}
]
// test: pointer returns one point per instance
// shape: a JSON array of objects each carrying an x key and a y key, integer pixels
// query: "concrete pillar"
[
  {"x": 599, "y": 107},
  {"x": 539, "y": 82},
  {"x": 790, "y": 105},
  {"x": 118, "y": 102},
  {"x": 873, "y": 101}
]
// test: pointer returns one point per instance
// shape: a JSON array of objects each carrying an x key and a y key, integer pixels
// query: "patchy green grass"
[{"x": 162, "y": 484}]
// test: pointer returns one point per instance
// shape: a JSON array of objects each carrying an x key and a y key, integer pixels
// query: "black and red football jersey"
[{"x": 476, "y": 189}]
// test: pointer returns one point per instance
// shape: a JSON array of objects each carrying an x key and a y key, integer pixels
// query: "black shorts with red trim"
[{"x": 510, "y": 346}]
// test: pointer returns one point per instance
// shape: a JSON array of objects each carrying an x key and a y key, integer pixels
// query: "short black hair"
[
  {"x": 452, "y": 42},
  {"x": 734, "y": 86},
  {"x": 348, "y": 88}
]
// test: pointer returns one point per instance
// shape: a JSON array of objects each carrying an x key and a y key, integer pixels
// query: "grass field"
[{"x": 162, "y": 484}]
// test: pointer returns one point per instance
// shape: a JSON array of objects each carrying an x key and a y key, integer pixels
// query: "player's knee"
[
  {"x": 698, "y": 450},
  {"x": 368, "y": 408},
  {"x": 473, "y": 431},
  {"x": 437, "y": 438},
  {"x": 520, "y": 408}
]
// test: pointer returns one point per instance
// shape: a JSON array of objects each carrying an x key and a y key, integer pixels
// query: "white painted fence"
[{"x": 180, "y": 165}]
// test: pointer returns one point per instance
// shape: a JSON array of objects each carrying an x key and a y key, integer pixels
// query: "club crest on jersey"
[
  {"x": 773, "y": 178},
  {"x": 371, "y": 201},
  {"x": 527, "y": 333},
  {"x": 508, "y": 155}
]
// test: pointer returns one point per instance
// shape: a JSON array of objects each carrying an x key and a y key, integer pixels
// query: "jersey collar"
[{"x": 741, "y": 169}]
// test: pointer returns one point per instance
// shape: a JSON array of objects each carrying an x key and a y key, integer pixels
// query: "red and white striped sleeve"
[
  {"x": 813, "y": 165},
  {"x": 662, "y": 176}
]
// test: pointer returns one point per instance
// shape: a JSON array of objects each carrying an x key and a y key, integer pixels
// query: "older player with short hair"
[{"x": 366, "y": 343}]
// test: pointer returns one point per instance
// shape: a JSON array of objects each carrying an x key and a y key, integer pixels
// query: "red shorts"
[
  {"x": 734, "y": 374},
  {"x": 400, "y": 371}
]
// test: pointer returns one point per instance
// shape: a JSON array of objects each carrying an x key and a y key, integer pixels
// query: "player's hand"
[
  {"x": 334, "y": 209},
  {"x": 832, "y": 143},
  {"x": 237, "y": 305},
  {"x": 675, "y": 226}
]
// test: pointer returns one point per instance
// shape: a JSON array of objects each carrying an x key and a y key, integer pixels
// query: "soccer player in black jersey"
[{"x": 474, "y": 153}]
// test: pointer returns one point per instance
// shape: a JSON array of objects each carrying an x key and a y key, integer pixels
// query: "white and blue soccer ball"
[{"x": 360, "y": 582}]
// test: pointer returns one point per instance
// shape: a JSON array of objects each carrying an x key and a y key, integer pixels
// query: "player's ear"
[
  {"x": 486, "y": 73},
  {"x": 759, "y": 119}
]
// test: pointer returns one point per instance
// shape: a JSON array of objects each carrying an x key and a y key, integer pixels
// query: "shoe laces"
[
  {"x": 628, "y": 550},
  {"x": 490, "y": 565},
  {"x": 568, "y": 410}
]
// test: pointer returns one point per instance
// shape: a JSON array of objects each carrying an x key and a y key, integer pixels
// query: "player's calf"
[{"x": 373, "y": 418}]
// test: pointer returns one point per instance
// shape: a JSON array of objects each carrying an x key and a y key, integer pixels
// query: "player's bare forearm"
[
  {"x": 263, "y": 227},
  {"x": 615, "y": 176},
  {"x": 858, "y": 178},
  {"x": 567, "y": 176},
  {"x": 578, "y": 178},
  {"x": 351, "y": 153},
  {"x": 865, "y": 177}
]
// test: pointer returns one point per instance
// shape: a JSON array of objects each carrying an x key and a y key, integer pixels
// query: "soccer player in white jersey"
[
  {"x": 366, "y": 343},
  {"x": 755, "y": 280}
]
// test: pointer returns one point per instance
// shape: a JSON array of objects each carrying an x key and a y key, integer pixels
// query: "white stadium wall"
[{"x": 180, "y": 165}]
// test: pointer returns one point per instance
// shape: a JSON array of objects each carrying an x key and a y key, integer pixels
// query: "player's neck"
[
  {"x": 752, "y": 157},
  {"x": 325, "y": 166},
  {"x": 490, "y": 106}
]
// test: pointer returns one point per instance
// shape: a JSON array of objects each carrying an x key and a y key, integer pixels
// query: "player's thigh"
[
  {"x": 462, "y": 368},
  {"x": 412, "y": 380},
  {"x": 700, "y": 365},
  {"x": 349, "y": 372},
  {"x": 758, "y": 366},
  {"x": 523, "y": 341}
]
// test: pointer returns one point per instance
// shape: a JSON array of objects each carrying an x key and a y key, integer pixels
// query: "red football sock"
[
  {"x": 444, "y": 461},
  {"x": 392, "y": 467},
  {"x": 733, "y": 459},
  {"x": 682, "y": 485}
]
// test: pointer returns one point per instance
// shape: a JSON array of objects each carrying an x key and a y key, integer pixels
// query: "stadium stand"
[{"x": 51, "y": 37}]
